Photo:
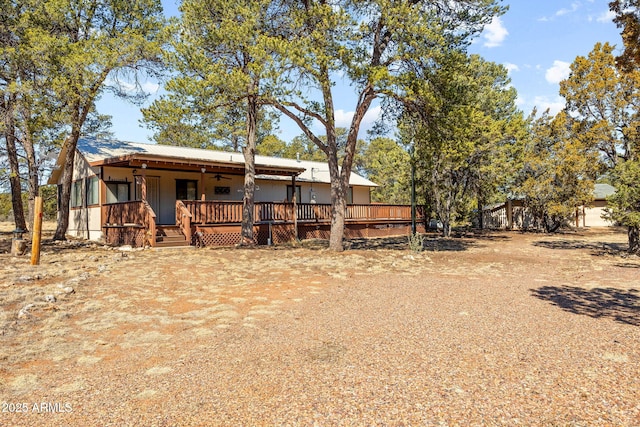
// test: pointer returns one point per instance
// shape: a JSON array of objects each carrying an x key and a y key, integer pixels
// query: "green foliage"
[
  {"x": 558, "y": 171},
  {"x": 57, "y": 58},
  {"x": 375, "y": 45},
  {"x": 5, "y": 206},
  {"x": 387, "y": 164},
  {"x": 628, "y": 18},
  {"x": 49, "y": 194},
  {"x": 624, "y": 204},
  {"x": 220, "y": 56},
  {"x": 603, "y": 100},
  {"x": 464, "y": 123},
  {"x": 49, "y": 206},
  {"x": 300, "y": 147},
  {"x": 416, "y": 242}
]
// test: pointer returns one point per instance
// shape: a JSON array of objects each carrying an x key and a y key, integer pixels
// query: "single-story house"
[
  {"x": 139, "y": 193},
  {"x": 513, "y": 214},
  {"x": 591, "y": 215}
]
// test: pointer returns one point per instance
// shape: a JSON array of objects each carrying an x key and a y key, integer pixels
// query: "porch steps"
[{"x": 170, "y": 236}]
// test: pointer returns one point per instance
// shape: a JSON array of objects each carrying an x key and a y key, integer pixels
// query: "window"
[
  {"x": 117, "y": 192},
  {"x": 76, "y": 194},
  {"x": 350, "y": 196},
  {"x": 92, "y": 191},
  {"x": 186, "y": 189},
  {"x": 290, "y": 193}
]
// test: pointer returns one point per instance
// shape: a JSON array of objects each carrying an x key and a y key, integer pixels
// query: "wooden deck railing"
[
  {"x": 184, "y": 219},
  {"x": 189, "y": 213},
  {"x": 124, "y": 213},
  {"x": 150, "y": 223},
  {"x": 135, "y": 213},
  {"x": 219, "y": 212}
]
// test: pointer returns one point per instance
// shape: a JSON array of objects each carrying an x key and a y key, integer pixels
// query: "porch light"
[
  {"x": 144, "y": 166},
  {"x": 203, "y": 170}
]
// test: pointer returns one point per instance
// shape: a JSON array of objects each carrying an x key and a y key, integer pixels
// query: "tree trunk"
[
  {"x": 338, "y": 204},
  {"x": 14, "y": 168},
  {"x": 65, "y": 190},
  {"x": 80, "y": 116},
  {"x": 33, "y": 181},
  {"x": 249, "y": 151},
  {"x": 445, "y": 217},
  {"x": 634, "y": 239},
  {"x": 481, "y": 204},
  {"x": 446, "y": 229},
  {"x": 551, "y": 223},
  {"x": 338, "y": 208}
]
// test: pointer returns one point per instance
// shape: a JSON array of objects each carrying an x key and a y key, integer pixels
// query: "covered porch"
[{"x": 217, "y": 223}]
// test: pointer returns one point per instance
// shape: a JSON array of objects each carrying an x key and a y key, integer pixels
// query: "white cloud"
[
  {"x": 511, "y": 67},
  {"x": 494, "y": 33},
  {"x": 606, "y": 17},
  {"x": 558, "y": 72},
  {"x": 555, "y": 105},
  {"x": 574, "y": 7},
  {"x": 564, "y": 11},
  {"x": 343, "y": 120}
]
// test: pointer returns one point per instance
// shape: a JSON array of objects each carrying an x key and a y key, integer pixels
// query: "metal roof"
[
  {"x": 114, "y": 152},
  {"x": 602, "y": 191}
]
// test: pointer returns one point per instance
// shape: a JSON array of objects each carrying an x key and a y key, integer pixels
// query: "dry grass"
[{"x": 492, "y": 329}]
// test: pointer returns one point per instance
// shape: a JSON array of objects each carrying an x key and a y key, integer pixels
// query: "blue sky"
[{"x": 536, "y": 40}]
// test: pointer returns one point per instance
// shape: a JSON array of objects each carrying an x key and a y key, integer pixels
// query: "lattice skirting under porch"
[
  {"x": 124, "y": 235},
  {"x": 229, "y": 235}
]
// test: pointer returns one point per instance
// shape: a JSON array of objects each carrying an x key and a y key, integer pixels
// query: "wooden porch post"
[
  {"x": 143, "y": 183},
  {"x": 295, "y": 206},
  {"x": 102, "y": 194},
  {"x": 202, "y": 191}
]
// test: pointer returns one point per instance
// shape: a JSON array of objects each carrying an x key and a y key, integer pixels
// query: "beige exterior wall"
[
  {"x": 83, "y": 219},
  {"x": 81, "y": 168},
  {"x": 84, "y": 222},
  {"x": 593, "y": 215}
]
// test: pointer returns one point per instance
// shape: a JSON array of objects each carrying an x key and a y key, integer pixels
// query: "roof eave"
[{"x": 170, "y": 162}]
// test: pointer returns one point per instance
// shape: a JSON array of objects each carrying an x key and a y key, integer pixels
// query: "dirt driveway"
[{"x": 492, "y": 329}]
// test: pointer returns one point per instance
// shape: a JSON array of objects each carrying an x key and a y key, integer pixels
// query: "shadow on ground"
[
  {"x": 620, "y": 305},
  {"x": 596, "y": 248},
  {"x": 431, "y": 242},
  {"x": 49, "y": 245},
  {"x": 627, "y": 265}
]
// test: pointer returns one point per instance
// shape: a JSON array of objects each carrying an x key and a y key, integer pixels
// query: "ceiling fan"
[{"x": 218, "y": 177}]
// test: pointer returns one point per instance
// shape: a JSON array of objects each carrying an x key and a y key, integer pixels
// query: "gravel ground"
[{"x": 496, "y": 329}]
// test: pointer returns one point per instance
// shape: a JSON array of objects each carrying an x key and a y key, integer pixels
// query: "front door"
[{"x": 153, "y": 194}]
